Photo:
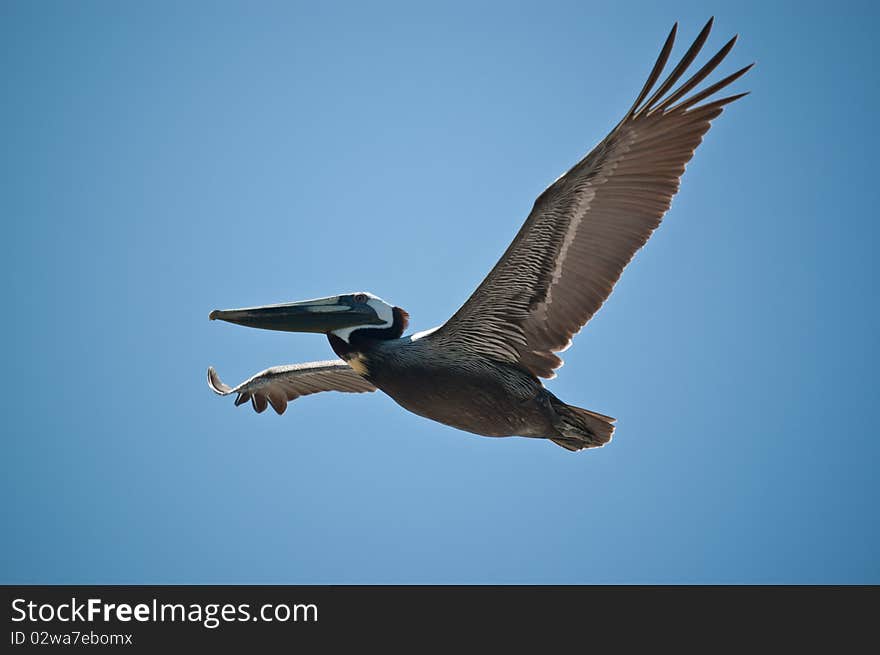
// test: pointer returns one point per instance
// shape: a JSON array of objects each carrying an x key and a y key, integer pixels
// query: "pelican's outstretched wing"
[
  {"x": 586, "y": 227},
  {"x": 277, "y": 385}
]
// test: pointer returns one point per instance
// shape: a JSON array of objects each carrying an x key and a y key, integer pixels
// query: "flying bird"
[{"x": 480, "y": 371}]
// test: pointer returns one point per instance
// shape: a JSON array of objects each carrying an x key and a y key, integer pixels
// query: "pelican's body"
[
  {"x": 480, "y": 371},
  {"x": 478, "y": 395}
]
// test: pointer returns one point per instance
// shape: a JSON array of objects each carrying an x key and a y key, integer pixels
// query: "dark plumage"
[{"x": 479, "y": 371}]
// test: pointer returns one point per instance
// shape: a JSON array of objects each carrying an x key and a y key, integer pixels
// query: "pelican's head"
[{"x": 349, "y": 316}]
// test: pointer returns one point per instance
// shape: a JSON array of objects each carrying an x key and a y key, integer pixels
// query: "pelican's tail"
[{"x": 580, "y": 428}]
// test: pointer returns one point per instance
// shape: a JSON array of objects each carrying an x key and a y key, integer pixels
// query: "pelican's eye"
[{"x": 360, "y": 298}]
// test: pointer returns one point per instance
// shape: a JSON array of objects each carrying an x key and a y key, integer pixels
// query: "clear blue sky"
[{"x": 160, "y": 160}]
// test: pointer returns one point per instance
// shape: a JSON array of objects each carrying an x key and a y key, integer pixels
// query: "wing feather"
[
  {"x": 587, "y": 226},
  {"x": 279, "y": 385}
]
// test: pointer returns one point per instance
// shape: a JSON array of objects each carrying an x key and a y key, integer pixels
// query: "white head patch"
[{"x": 383, "y": 310}]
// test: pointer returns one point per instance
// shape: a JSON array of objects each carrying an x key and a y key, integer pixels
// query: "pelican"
[{"x": 480, "y": 371}]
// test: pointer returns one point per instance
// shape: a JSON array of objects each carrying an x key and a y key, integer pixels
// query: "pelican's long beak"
[{"x": 321, "y": 315}]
